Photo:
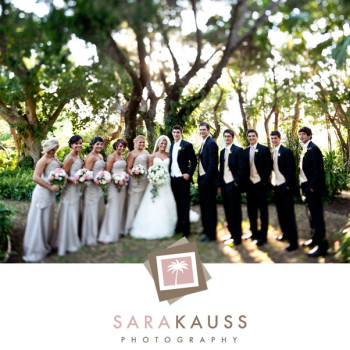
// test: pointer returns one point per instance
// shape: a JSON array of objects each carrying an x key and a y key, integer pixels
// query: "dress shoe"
[
  {"x": 261, "y": 241},
  {"x": 291, "y": 247},
  {"x": 309, "y": 244},
  {"x": 250, "y": 236},
  {"x": 318, "y": 251},
  {"x": 281, "y": 238}
]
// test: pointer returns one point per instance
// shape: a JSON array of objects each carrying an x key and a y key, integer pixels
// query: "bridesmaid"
[
  {"x": 94, "y": 204},
  {"x": 41, "y": 213},
  {"x": 66, "y": 237},
  {"x": 137, "y": 187},
  {"x": 113, "y": 222}
]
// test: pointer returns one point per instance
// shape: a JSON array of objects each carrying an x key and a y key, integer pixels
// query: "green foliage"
[
  {"x": 343, "y": 250},
  {"x": 17, "y": 184},
  {"x": 335, "y": 174},
  {"x": 194, "y": 194},
  {"x": 26, "y": 163},
  {"x": 6, "y": 220}
]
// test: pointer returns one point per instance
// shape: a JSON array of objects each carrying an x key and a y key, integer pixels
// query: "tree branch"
[{"x": 54, "y": 116}]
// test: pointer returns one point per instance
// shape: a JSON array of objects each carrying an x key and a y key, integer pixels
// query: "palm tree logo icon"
[{"x": 177, "y": 266}]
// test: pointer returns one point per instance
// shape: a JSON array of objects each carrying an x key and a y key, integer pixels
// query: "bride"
[{"x": 157, "y": 218}]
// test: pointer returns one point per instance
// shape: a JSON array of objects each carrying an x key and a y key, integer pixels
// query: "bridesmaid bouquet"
[
  {"x": 103, "y": 178},
  {"x": 138, "y": 171},
  {"x": 120, "y": 179},
  {"x": 83, "y": 176},
  {"x": 58, "y": 176},
  {"x": 157, "y": 176}
]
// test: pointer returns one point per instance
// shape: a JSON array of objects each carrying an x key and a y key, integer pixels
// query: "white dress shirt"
[
  {"x": 200, "y": 167},
  {"x": 302, "y": 176},
  {"x": 277, "y": 177},
  {"x": 175, "y": 169},
  {"x": 228, "y": 177},
  {"x": 254, "y": 175}
]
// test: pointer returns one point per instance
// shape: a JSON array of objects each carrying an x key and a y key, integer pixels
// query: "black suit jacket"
[
  {"x": 287, "y": 166},
  {"x": 313, "y": 168},
  {"x": 210, "y": 159},
  {"x": 186, "y": 158},
  {"x": 263, "y": 162},
  {"x": 236, "y": 164}
]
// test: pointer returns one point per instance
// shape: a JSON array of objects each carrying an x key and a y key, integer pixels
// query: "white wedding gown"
[{"x": 156, "y": 219}]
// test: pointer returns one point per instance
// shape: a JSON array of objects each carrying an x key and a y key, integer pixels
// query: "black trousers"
[
  {"x": 313, "y": 202},
  {"x": 181, "y": 191},
  {"x": 285, "y": 211},
  {"x": 231, "y": 198},
  {"x": 207, "y": 202},
  {"x": 257, "y": 201}
]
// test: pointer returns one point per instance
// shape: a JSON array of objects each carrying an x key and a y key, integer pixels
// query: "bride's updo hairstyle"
[
  {"x": 74, "y": 139},
  {"x": 118, "y": 142},
  {"x": 95, "y": 140},
  {"x": 138, "y": 138},
  {"x": 159, "y": 141},
  {"x": 49, "y": 144}
]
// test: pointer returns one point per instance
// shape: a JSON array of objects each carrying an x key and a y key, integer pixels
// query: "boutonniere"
[
  {"x": 279, "y": 154},
  {"x": 230, "y": 152},
  {"x": 256, "y": 151},
  {"x": 309, "y": 148},
  {"x": 180, "y": 149}
]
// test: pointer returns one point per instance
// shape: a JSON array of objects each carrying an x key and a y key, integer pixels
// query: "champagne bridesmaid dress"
[
  {"x": 94, "y": 207},
  {"x": 40, "y": 219},
  {"x": 136, "y": 191},
  {"x": 66, "y": 237},
  {"x": 114, "y": 220}
]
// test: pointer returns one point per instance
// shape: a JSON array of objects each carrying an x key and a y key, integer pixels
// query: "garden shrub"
[
  {"x": 343, "y": 244},
  {"x": 6, "y": 220}
]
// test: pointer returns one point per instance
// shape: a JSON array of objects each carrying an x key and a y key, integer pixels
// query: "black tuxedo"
[
  {"x": 313, "y": 188},
  {"x": 283, "y": 194},
  {"x": 207, "y": 185},
  {"x": 257, "y": 193},
  {"x": 187, "y": 162},
  {"x": 231, "y": 192}
]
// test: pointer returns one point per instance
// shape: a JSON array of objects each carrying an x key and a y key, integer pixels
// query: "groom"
[{"x": 183, "y": 162}]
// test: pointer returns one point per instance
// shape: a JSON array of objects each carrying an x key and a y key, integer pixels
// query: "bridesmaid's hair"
[
  {"x": 95, "y": 140},
  {"x": 74, "y": 139},
  {"x": 49, "y": 144},
  {"x": 119, "y": 141},
  {"x": 137, "y": 138}
]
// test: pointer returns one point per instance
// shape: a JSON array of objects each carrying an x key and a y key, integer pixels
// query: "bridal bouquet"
[
  {"x": 83, "y": 176},
  {"x": 103, "y": 178},
  {"x": 58, "y": 176},
  {"x": 157, "y": 176},
  {"x": 120, "y": 179},
  {"x": 138, "y": 171}
]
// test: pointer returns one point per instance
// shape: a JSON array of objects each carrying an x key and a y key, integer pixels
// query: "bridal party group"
[{"x": 149, "y": 194}]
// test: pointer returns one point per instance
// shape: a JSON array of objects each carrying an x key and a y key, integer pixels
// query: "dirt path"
[{"x": 129, "y": 250}]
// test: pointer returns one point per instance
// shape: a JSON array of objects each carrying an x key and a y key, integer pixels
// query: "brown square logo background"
[{"x": 176, "y": 293}]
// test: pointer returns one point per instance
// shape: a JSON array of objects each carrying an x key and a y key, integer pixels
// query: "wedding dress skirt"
[
  {"x": 156, "y": 219},
  {"x": 113, "y": 222},
  {"x": 66, "y": 237},
  {"x": 40, "y": 219}
]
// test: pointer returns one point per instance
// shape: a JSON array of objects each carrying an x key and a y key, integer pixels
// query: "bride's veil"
[{"x": 159, "y": 140}]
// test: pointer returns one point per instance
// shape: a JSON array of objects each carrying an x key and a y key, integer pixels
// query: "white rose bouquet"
[
  {"x": 157, "y": 176},
  {"x": 57, "y": 177},
  {"x": 83, "y": 176},
  {"x": 103, "y": 178},
  {"x": 120, "y": 179}
]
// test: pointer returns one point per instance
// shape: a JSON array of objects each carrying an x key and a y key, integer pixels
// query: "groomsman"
[
  {"x": 232, "y": 174},
  {"x": 183, "y": 162},
  {"x": 207, "y": 182},
  {"x": 283, "y": 182},
  {"x": 259, "y": 162},
  {"x": 312, "y": 181}
]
